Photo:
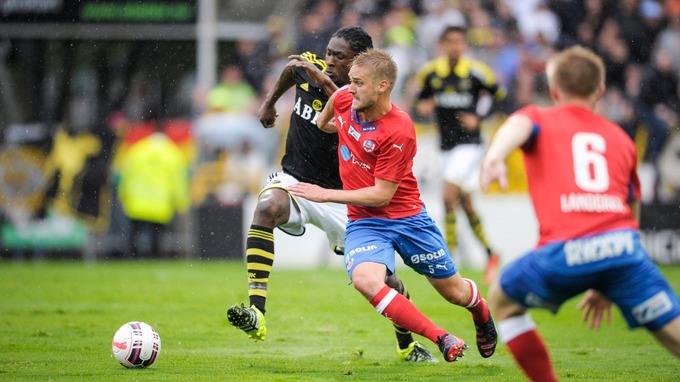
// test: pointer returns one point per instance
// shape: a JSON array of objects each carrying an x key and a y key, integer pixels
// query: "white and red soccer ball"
[{"x": 136, "y": 344}]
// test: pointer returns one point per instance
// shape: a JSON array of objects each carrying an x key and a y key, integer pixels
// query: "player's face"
[
  {"x": 362, "y": 88},
  {"x": 453, "y": 45},
  {"x": 339, "y": 55}
]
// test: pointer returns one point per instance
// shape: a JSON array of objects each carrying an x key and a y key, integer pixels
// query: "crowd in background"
[{"x": 639, "y": 41}]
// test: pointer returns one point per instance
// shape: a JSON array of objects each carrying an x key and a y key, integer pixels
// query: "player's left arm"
[
  {"x": 595, "y": 306},
  {"x": 378, "y": 195}
]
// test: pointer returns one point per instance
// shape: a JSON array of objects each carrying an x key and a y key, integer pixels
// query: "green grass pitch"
[{"x": 57, "y": 320}]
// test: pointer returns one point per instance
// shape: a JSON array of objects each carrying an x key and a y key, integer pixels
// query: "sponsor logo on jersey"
[
  {"x": 344, "y": 152},
  {"x": 355, "y": 134},
  {"x": 359, "y": 163},
  {"x": 653, "y": 308},
  {"x": 369, "y": 146},
  {"x": 400, "y": 147},
  {"x": 432, "y": 256},
  {"x": 305, "y": 111},
  {"x": 369, "y": 128},
  {"x": 598, "y": 248},
  {"x": 454, "y": 100},
  {"x": 347, "y": 155},
  {"x": 304, "y": 87},
  {"x": 365, "y": 248}
]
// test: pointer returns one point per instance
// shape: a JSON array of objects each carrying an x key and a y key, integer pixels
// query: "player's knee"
[
  {"x": 271, "y": 205},
  {"x": 395, "y": 283},
  {"x": 366, "y": 283}
]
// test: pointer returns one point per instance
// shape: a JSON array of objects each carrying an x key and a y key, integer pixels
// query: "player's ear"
[
  {"x": 554, "y": 94},
  {"x": 600, "y": 91},
  {"x": 383, "y": 86}
]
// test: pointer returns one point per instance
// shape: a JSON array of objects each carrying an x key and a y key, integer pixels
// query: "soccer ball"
[{"x": 136, "y": 344}]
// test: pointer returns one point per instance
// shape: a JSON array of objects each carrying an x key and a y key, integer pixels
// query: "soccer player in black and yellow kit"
[
  {"x": 451, "y": 87},
  {"x": 310, "y": 156}
]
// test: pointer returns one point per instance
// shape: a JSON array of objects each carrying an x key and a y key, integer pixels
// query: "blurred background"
[{"x": 128, "y": 128}]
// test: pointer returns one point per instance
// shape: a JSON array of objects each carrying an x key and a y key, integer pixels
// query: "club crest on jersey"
[
  {"x": 369, "y": 146},
  {"x": 317, "y": 105},
  {"x": 355, "y": 134},
  {"x": 369, "y": 128}
]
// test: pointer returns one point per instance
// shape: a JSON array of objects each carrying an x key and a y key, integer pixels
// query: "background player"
[
  {"x": 377, "y": 146},
  {"x": 310, "y": 156},
  {"x": 452, "y": 87},
  {"x": 582, "y": 172}
]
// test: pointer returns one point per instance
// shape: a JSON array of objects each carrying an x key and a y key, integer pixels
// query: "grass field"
[{"x": 57, "y": 319}]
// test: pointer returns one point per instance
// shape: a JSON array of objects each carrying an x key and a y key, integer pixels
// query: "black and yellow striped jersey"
[
  {"x": 311, "y": 155},
  {"x": 456, "y": 91}
]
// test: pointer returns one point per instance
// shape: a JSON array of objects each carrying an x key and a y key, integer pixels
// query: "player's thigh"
[
  {"x": 366, "y": 243},
  {"x": 528, "y": 282},
  {"x": 328, "y": 217},
  {"x": 643, "y": 295},
  {"x": 422, "y": 247}
]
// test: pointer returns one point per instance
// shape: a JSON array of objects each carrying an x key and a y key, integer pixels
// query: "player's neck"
[{"x": 580, "y": 102}]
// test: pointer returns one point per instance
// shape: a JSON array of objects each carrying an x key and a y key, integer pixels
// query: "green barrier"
[{"x": 55, "y": 232}]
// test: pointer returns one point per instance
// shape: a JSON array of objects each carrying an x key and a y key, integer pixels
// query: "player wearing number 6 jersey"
[{"x": 584, "y": 186}]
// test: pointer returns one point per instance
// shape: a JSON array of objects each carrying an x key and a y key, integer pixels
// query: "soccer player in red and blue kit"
[
  {"x": 377, "y": 144},
  {"x": 311, "y": 156},
  {"x": 582, "y": 172}
]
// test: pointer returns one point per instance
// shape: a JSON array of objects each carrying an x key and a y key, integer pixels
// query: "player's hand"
[
  {"x": 267, "y": 115},
  {"x": 296, "y": 61},
  {"x": 468, "y": 121},
  {"x": 596, "y": 305},
  {"x": 425, "y": 107},
  {"x": 308, "y": 191},
  {"x": 493, "y": 170}
]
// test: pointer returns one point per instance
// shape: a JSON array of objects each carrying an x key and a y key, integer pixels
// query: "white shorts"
[
  {"x": 329, "y": 217},
  {"x": 461, "y": 166}
]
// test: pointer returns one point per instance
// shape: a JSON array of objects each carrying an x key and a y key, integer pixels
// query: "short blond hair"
[
  {"x": 576, "y": 71},
  {"x": 380, "y": 63}
]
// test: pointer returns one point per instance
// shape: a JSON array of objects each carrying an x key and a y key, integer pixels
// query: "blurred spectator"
[
  {"x": 232, "y": 94},
  {"x": 400, "y": 42},
  {"x": 669, "y": 37},
  {"x": 658, "y": 102},
  {"x": 319, "y": 20},
  {"x": 438, "y": 15},
  {"x": 253, "y": 59},
  {"x": 633, "y": 30},
  {"x": 229, "y": 118},
  {"x": 614, "y": 52},
  {"x": 507, "y": 52},
  {"x": 153, "y": 186},
  {"x": 541, "y": 23}
]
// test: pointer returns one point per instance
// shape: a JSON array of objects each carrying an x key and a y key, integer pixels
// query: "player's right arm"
[
  {"x": 514, "y": 132},
  {"x": 314, "y": 72},
  {"x": 267, "y": 113},
  {"x": 325, "y": 119}
]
